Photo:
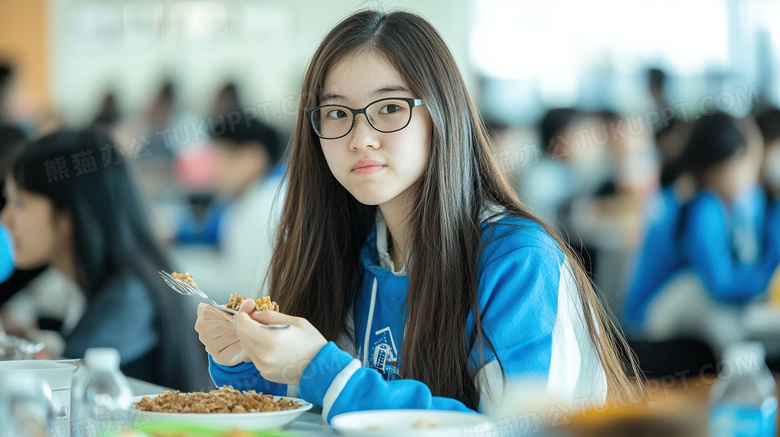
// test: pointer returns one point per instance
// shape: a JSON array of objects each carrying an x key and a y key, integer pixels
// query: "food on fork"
[
  {"x": 263, "y": 304},
  {"x": 186, "y": 278}
]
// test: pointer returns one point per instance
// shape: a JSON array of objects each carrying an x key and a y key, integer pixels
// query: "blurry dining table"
[
  {"x": 307, "y": 424},
  {"x": 678, "y": 408}
]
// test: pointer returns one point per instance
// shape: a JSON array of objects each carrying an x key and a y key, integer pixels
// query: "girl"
[
  {"x": 401, "y": 245},
  {"x": 726, "y": 236},
  {"x": 87, "y": 221}
]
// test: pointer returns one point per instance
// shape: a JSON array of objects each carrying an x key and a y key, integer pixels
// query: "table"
[{"x": 307, "y": 424}]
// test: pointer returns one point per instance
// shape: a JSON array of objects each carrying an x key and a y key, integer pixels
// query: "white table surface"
[{"x": 307, "y": 424}]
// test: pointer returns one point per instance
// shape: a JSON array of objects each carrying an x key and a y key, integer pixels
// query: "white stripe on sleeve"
[
  {"x": 575, "y": 368},
  {"x": 338, "y": 384}
]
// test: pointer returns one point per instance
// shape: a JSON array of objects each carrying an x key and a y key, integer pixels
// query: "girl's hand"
[
  {"x": 281, "y": 355},
  {"x": 217, "y": 332}
]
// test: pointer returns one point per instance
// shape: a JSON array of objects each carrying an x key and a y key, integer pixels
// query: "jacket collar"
[{"x": 375, "y": 254}]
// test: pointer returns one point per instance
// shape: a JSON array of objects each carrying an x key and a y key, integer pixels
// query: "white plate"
[
  {"x": 245, "y": 421},
  {"x": 410, "y": 423}
]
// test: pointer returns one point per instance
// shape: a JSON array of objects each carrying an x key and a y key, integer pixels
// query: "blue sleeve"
[
  {"x": 707, "y": 248},
  {"x": 518, "y": 294},
  {"x": 338, "y": 383},
  {"x": 6, "y": 253},
  {"x": 244, "y": 376}
]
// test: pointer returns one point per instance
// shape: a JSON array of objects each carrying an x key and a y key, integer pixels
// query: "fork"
[{"x": 186, "y": 289}]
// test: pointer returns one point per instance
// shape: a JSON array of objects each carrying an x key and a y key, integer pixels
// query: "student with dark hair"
[
  {"x": 249, "y": 180},
  {"x": 726, "y": 236},
  {"x": 85, "y": 219},
  {"x": 410, "y": 272}
]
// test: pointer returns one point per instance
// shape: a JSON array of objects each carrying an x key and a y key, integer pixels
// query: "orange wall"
[{"x": 24, "y": 42}]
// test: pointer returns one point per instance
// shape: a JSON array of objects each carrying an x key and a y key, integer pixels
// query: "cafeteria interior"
[{"x": 615, "y": 123}]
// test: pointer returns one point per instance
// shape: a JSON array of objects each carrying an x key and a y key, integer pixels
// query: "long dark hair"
[
  {"x": 316, "y": 270},
  {"x": 111, "y": 233}
]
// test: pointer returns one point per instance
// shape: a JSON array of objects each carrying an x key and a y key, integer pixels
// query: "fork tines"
[{"x": 176, "y": 285}]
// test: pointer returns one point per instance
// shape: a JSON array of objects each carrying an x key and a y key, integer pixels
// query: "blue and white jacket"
[
  {"x": 713, "y": 244},
  {"x": 531, "y": 312}
]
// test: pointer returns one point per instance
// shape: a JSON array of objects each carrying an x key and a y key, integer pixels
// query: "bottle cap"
[
  {"x": 102, "y": 358},
  {"x": 745, "y": 351}
]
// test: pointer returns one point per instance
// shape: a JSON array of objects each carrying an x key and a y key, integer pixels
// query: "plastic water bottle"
[
  {"x": 100, "y": 406},
  {"x": 744, "y": 398},
  {"x": 25, "y": 406}
]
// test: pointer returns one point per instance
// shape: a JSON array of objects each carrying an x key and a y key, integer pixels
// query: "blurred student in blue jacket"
[{"x": 723, "y": 241}]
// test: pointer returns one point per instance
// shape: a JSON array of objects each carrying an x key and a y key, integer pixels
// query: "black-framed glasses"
[{"x": 385, "y": 115}]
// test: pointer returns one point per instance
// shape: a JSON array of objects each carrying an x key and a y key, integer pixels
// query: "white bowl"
[
  {"x": 244, "y": 421},
  {"x": 411, "y": 423}
]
